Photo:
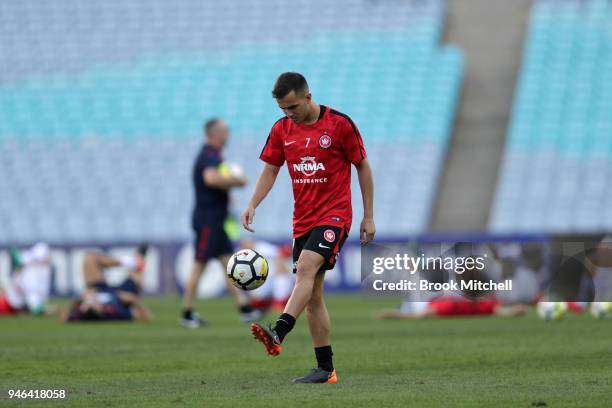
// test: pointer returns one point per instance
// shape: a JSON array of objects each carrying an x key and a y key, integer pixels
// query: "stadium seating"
[
  {"x": 101, "y": 106},
  {"x": 557, "y": 165}
]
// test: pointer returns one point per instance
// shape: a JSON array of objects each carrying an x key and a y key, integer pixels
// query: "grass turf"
[{"x": 460, "y": 362}]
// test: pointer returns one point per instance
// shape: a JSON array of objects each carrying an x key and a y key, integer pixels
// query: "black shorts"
[
  {"x": 128, "y": 285},
  {"x": 324, "y": 240},
  {"x": 211, "y": 241},
  {"x": 100, "y": 286}
]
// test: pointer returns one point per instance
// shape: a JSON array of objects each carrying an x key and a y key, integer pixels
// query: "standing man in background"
[{"x": 212, "y": 180}]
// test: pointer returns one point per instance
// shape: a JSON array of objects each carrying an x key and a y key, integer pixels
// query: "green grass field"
[{"x": 466, "y": 362}]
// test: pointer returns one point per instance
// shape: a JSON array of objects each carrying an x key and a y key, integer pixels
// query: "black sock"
[
  {"x": 187, "y": 314},
  {"x": 245, "y": 309},
  {"x": 284, "y": 324},
  {"x": 324, "y": 358}
]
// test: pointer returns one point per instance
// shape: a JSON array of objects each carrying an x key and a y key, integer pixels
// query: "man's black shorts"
[
  {"x": 211, "y": 241},
  {"x": 324, "y": 240},
  {"x": 128, "y": 285}
]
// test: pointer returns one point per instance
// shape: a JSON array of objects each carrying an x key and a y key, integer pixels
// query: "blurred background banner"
[
  {"x": 571, "y": 268},
  {"x": 168, "y": 266}
]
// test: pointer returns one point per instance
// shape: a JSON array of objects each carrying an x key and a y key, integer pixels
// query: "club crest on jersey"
[
  {"x": 308, "y": 166},
  {"x": 329, "y": 235},
  {"x": 325, "y": 141}
]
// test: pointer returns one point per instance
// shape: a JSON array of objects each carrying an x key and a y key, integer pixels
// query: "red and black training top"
[{"x": 319, "y": 158}]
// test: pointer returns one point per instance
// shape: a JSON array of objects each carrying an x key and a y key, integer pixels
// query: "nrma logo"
[{"x": 308, "y": 166}]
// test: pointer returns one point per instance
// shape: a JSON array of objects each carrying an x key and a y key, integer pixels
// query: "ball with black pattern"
[{"x": 247, "y": 269}]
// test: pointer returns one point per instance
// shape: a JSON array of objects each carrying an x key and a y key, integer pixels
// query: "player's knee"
[
  {"x": 198, "y": 269},
  {"x": 305, "y": 272},
  {"x": 308, "y": 266},
  {"x": 195, "y": 275}
]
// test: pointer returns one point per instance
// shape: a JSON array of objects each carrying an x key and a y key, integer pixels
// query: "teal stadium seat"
[
  {"x": 110, "y": 107},
  {"x": 558, "y": 158}
]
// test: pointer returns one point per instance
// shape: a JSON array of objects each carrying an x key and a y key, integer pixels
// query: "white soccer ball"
[
  {"x": 247, "y": 269},
  {"x": 601, "y": 310},
  {"x": 552, "y": 310}
]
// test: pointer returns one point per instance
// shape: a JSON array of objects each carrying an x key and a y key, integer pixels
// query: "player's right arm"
[{"x": 262, "y": 188}]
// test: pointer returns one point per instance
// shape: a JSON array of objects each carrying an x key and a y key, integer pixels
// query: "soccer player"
[
  {"x": 451, "y": 306},
  {"x": 95, "y": 263},
  {"x": 28, "y": 290},
  {"x": 101, "y": 301},
  {"x": 212, "y": 181},
  {"x": 466, "y": 302},
  {"x": 319, "y": 145},
  {"x": 106, "y": 305}
]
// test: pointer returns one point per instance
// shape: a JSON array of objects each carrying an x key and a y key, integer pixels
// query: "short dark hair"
[
  {"x": 208, "y": 125},
  {"x": 287, "y": 82}
]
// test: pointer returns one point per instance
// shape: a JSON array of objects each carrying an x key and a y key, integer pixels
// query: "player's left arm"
[{"x": 366, "y": 184}]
